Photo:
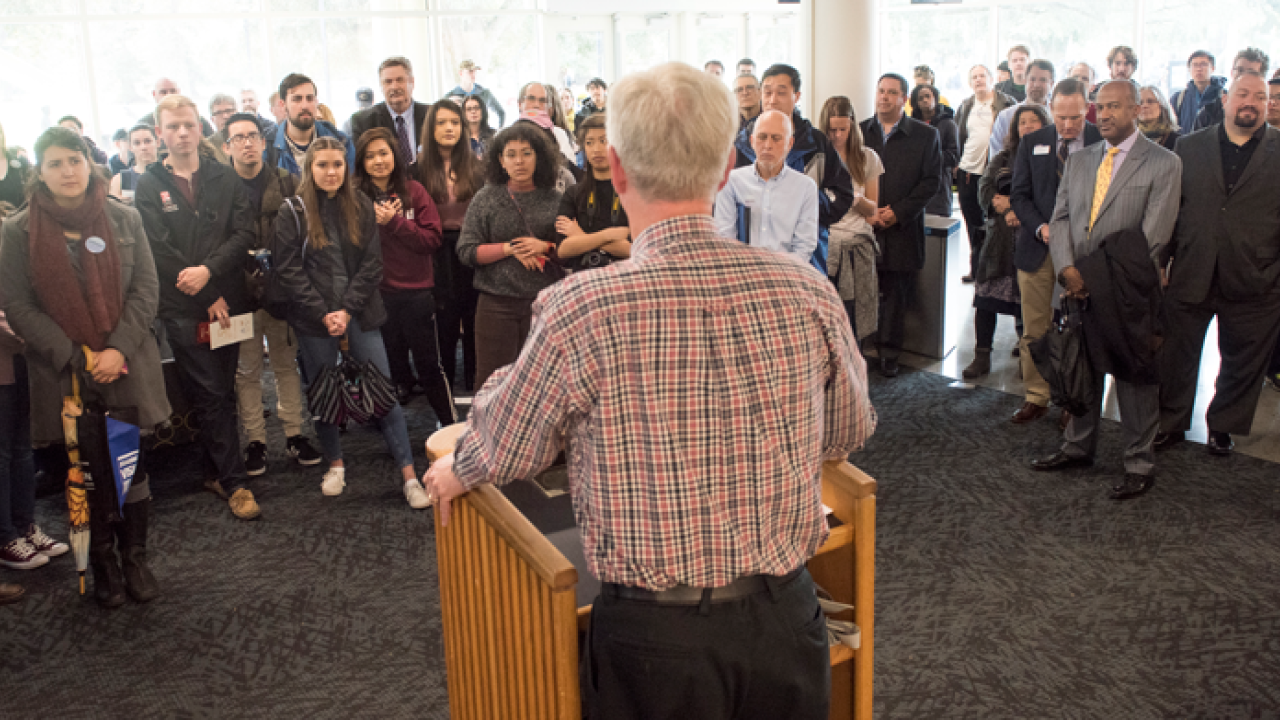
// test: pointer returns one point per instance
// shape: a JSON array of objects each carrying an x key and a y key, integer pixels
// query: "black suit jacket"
[
  {"x": 1035, "y": 190},
  {"x": 912, "y": 173},
  {"x": 1236, "y": 236},
  {"x": 380, "y": 116}
]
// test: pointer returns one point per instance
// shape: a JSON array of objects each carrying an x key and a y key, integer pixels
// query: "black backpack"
[{"x": 275, "y": 299}]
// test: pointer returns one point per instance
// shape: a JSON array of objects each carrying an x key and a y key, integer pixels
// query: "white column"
[{"x": 844, "y": 43}]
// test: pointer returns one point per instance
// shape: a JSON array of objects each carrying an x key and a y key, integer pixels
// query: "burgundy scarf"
[{"x": 87, "y": 314}]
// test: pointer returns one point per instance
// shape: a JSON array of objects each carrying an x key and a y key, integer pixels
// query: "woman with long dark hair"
[
  {"x": 480, "y": 134},
  {"x": 452, "y": 176},
  {"x": 509, "y": 238},
  {"x": 851, "y": 255},
  {"x": 330, "y": 265},
  {"x": 410, "y": 229},
  {"x": 80, "y": 289},
  {"x": 592, "y": 225},
  {"x": 997, "y": 290}
]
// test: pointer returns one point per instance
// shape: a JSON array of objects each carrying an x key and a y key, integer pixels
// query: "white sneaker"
[
  {"x": 416, "y": 495},
  {"x": 334, "y": 481},
  {"x": 44, "y": 544}
]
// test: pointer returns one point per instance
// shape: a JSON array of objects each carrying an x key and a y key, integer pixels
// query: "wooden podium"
[{"x": 511, "y": 615}]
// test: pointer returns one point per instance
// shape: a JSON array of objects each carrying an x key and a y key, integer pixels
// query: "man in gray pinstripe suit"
[{"x": 1138, "y": 182}]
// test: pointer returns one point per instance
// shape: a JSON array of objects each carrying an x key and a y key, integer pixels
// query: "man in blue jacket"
[
  {"x": 1203, "y": 88},
  {"x": 811, "y": 154},
  {"x": 287, "y": 143}
]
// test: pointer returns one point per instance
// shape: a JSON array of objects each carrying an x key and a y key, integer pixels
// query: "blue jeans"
[
  {"x": 318, "y": 353},
  {"x": 17, "y": 464}
]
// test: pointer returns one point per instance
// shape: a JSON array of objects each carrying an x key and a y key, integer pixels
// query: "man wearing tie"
[
  {"x": 397, "y": 112},
  {"x": 1226, "y": 263},
  {"x": 1126, "y": 183},
  {"x": 1042, "y": 157}
]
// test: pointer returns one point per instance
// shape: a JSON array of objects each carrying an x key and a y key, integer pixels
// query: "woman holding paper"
[{"x": 80, "y": 289}]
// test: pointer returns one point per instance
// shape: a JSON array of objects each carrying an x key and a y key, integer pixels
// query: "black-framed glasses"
[{"x": 239, "y": 140}]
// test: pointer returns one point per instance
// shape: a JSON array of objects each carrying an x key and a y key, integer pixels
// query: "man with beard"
[
  {"x": 1226, "y": 264},
  {"x": 398, "y": 112},
  {"x": 287, "y": 143}
]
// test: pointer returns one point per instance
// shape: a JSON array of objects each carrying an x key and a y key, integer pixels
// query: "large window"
[
  {"x": 951, "y": 38},
  {"x": 100, "y": 59}
]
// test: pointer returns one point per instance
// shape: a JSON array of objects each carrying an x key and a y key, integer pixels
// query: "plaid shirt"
[{"x": 699, "y": 386}]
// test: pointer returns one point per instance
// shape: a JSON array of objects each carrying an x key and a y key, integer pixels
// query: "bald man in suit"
[{"x": 1141, "y": 184}]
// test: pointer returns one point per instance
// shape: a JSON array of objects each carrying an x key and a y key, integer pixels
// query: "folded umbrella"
[
  {"x": 77, "y": 499},
  {"x": 350, "y": 391}
]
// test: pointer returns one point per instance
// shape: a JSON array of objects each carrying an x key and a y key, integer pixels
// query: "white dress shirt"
[{"x": 784, "y": 210}]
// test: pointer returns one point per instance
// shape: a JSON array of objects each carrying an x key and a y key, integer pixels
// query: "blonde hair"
[
  {"x": 672, "y": 128},
  {"x": 173, "y": 103},
  {"x": 325, "y": 113}
]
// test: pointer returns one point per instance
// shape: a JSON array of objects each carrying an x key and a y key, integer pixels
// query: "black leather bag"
[{"x": 1062, "y": 357}]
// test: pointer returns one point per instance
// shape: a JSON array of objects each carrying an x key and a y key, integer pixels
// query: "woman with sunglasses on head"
[
  {"x": 329, "y": 266},
  {"x": 452, "y": 176},
  {"x": 80, "y": 289},
  {"x": 410, "y": 230}
]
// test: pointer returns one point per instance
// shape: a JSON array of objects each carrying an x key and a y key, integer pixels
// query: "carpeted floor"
[
  {"x": 1006, "y": 593},
  {"x": 1001, "y": 593}
]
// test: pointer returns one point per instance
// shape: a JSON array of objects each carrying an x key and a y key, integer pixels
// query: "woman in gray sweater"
[{"x": 508, "y": 236}]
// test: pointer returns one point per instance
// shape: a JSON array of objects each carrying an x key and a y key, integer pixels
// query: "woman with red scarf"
[{"x": 80, "y": 289}]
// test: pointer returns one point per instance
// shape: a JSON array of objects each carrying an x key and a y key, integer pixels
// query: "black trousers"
[
  {"x": 208, "y": 380},
  {"x": 1247, "y": 331},
  {"x": 411, "y": 327},
  {"x": 763, "y": 656},
  {"x": 975, "y": 220},
  {"x": 502, "y": 325},
  {"x": 455, "y": 312},
  {"x": 895, "y": 288}
]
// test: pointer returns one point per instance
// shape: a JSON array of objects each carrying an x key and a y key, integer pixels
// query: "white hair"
[
  {"x": 672, "y": 128},
  {"x": 786, "y": 120}
]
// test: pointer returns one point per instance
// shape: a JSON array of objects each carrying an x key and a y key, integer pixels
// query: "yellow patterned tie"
[{"x": 1102, "y": 184}]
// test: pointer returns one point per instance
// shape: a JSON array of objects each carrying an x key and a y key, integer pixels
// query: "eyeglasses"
[
  {"x": 239, "y": 140},
  {"x": 534, "y": 99},
  {"x": 220, "y": 113}
]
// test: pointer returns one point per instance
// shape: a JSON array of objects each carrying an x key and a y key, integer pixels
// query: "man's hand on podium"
[{"x": 442, "y": 485}]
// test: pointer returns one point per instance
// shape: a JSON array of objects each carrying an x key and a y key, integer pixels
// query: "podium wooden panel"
[{"x": 511, "y": 620}]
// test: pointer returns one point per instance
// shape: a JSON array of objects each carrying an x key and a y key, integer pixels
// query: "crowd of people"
[{"x": 417, "y": 233}]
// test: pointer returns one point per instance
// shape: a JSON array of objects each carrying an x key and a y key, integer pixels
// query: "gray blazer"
[
  {"x": 1143, "y": 196},
  {"x": 48, "y": 348},
  {"x": 1236, "y": 235}
]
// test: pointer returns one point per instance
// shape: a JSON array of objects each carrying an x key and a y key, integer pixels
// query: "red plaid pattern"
[{"x": 698, "y": 386}]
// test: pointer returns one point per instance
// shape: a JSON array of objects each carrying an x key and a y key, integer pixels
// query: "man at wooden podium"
[{"x": 697, "y": 388}]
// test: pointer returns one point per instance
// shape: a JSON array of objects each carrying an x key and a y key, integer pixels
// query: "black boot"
[
  {"x": 132, "y": 533},
  {"x": 108, "y": 582}
]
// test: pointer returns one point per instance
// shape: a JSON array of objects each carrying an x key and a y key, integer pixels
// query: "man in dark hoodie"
[
  {"x": 1203, "y": 88},
  {"x": 599, "y": 93},
  {"x": 1248, "y": 60},
  {"x": 811, "y": 153},
  {"x": 199, "y": 223}
]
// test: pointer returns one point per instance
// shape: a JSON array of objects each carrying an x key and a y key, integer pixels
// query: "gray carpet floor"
[{"x": 1001, "y": 593}]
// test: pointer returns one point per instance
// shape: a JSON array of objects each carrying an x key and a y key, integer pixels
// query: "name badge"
[
  {"x": 408, "y": 214},
  {"x": 1041, "y": 150},
  {"x": 167, "y": 203}
]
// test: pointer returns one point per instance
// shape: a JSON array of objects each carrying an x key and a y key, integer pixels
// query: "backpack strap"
[{"x": 297, "y": 221}]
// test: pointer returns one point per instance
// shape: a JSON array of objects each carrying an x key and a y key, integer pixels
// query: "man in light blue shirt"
[
  {"x": 767, "y": 204},
  {"x": 1040, "y": 75}
]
